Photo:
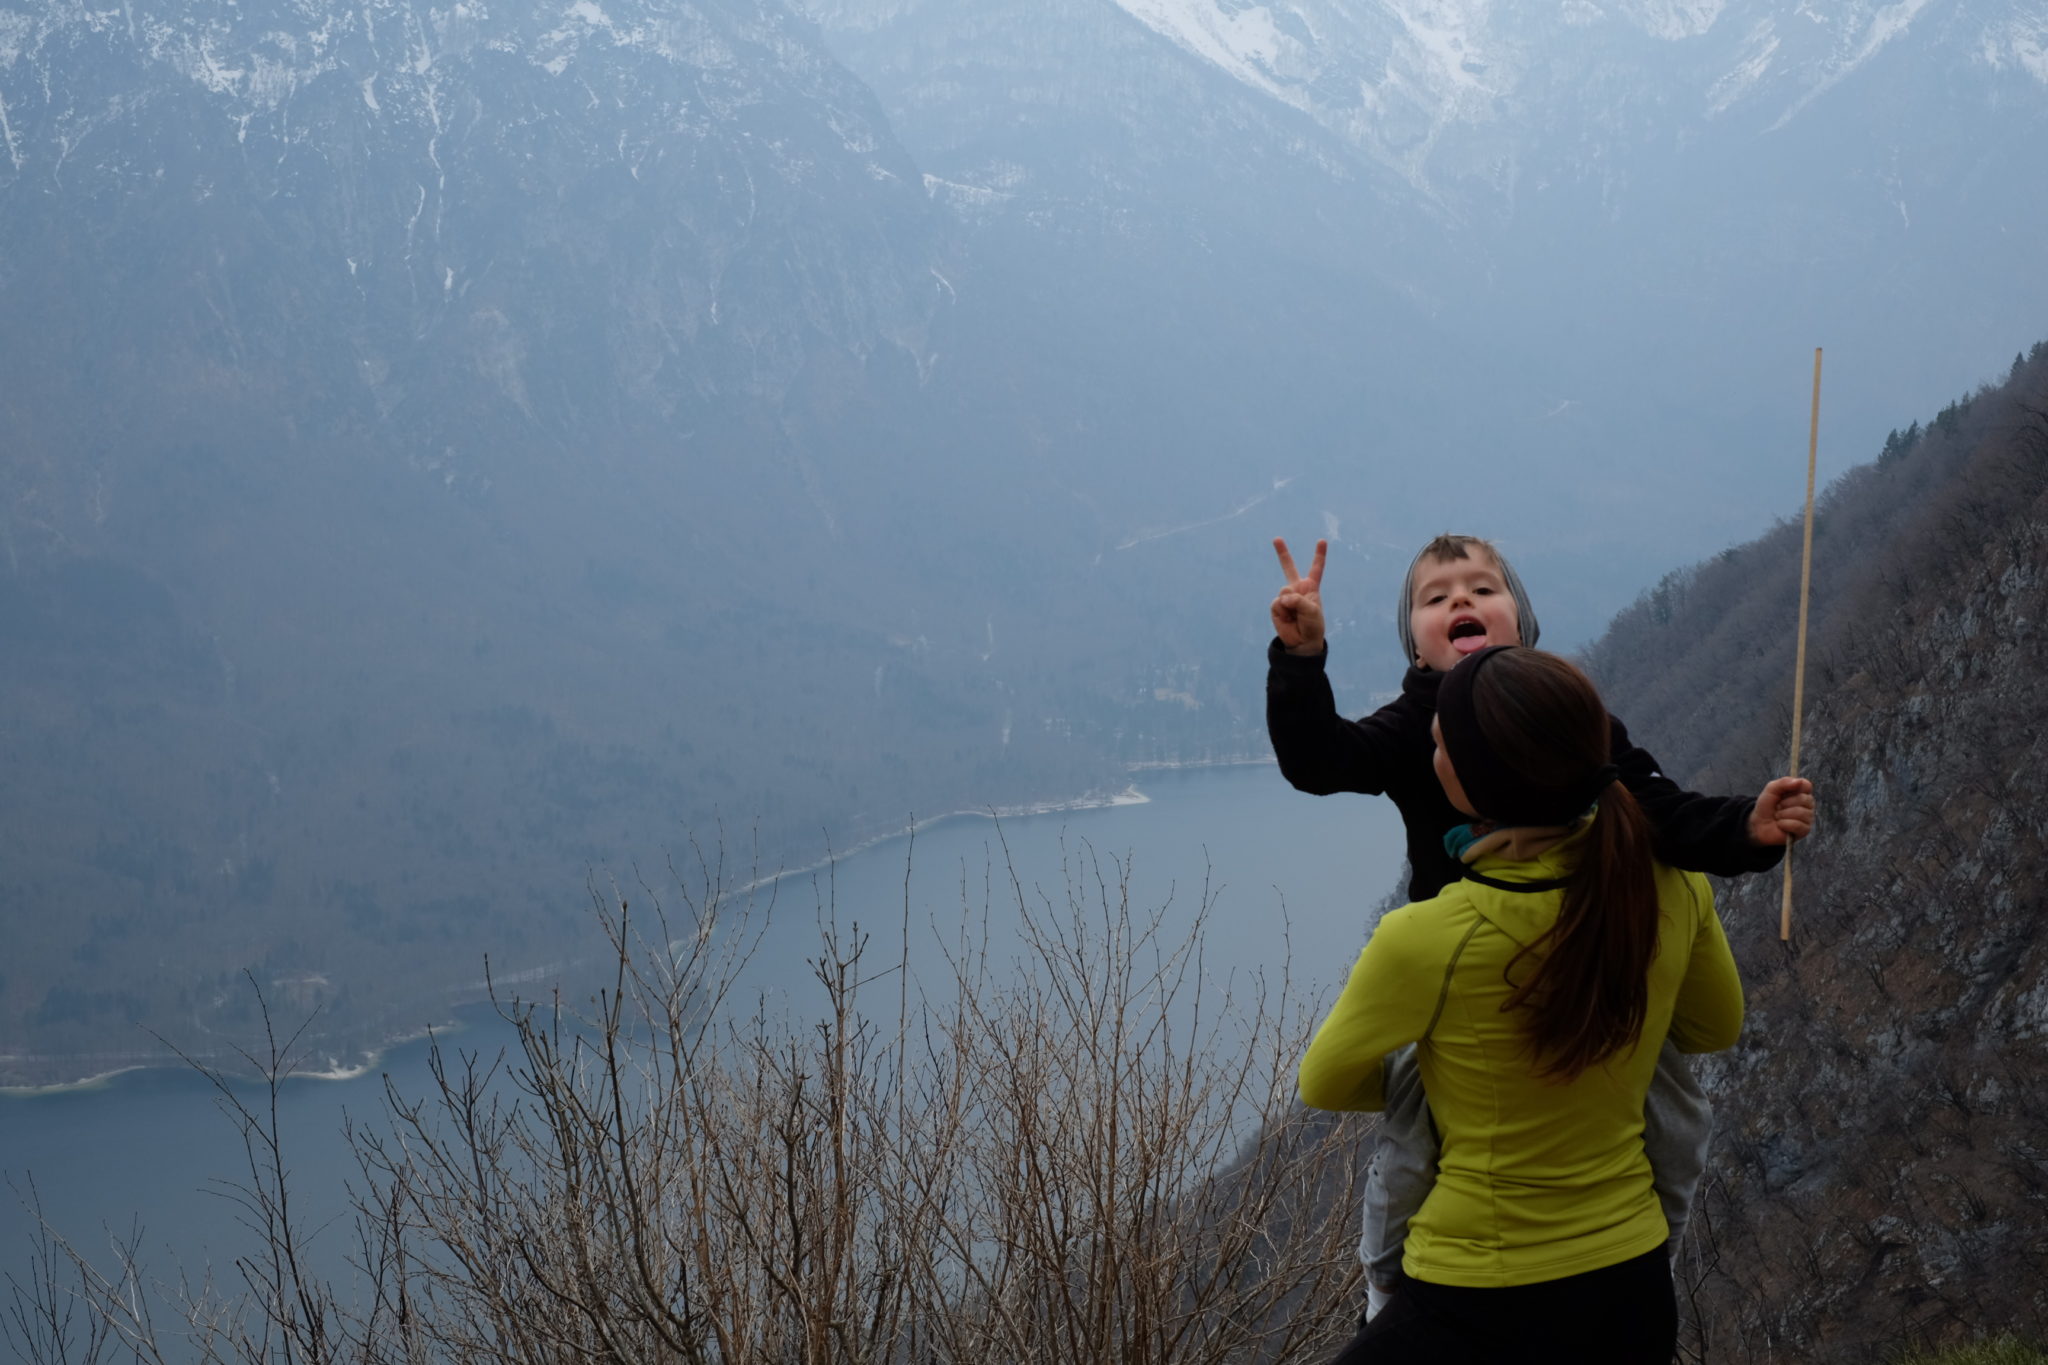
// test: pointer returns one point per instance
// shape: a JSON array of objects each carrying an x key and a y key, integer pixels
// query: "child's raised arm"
[{"x": 1320, "y": 751}]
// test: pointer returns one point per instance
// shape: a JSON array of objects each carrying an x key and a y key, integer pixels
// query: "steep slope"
[{"x": 1879, "y": 1173}]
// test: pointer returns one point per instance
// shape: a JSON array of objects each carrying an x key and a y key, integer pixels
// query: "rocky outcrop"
[{"x": 1880, "y": 1173}]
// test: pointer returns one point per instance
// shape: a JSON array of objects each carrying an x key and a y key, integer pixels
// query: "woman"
[{"x": 1539, "y": 990}]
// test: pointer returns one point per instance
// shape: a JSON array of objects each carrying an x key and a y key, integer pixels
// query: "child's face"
[{"x": 1460, "y": 607}]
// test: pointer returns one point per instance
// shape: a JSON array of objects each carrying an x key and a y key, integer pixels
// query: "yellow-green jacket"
[{"x": 1537, "y": 1179}]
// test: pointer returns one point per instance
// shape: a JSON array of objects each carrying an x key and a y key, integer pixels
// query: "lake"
[{"x": 1291, "y": 879}]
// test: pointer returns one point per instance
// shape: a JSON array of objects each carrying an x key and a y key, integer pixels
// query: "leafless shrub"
[{"x": 1090, "y": 1154}]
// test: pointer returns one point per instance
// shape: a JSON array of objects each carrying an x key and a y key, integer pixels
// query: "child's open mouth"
[{"x": 1468, "y": 636}]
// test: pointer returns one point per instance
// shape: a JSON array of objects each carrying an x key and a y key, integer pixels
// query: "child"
[{"x": 1460, "y": 596}]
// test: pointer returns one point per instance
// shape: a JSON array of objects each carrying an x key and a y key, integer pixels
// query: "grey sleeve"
[
  {"x": 1403, "y": 1167},
  {"x": 1677, "y": 1121}
]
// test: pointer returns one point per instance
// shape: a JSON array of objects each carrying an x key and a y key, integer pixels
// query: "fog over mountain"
[
  {"x": 1628, "y": 220},
  {"x": 446, "y": 448}
]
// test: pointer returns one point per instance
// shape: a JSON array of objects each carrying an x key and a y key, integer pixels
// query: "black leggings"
[{"x": 1622, "y": 1314}]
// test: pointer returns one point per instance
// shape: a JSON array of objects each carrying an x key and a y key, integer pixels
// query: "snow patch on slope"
[
  {"x": 977, "y": 202},
  {"x": 1674, "y": 20},
  {"x": 1446, "y": 37},
  {"x": 15, "y": 31},
  {"x": 1396, "y": 78},
  {"x": 7, "y": 135},
  {"x": 1749, "y": 71},
  {"x": 1433, "y": 46},
  {"x": 2021, "y": 43},
  {"x": 1886, "y": 24},
  {"x": 1247, "y": 43},
  {"x": 197, "y": 63},
  {"x": 590, "y": 14}
]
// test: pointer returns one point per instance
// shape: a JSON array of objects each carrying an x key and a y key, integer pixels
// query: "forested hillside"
[{"x": 1880, "y": 1170}]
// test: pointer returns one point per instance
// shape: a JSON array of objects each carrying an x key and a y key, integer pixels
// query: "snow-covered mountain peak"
[
  {"x": 1290, "y": 47},
  {"x": 1249, "y": 43},
  {"x": 1441, "y": 90},
  {"x": 1388, "y": 77}
]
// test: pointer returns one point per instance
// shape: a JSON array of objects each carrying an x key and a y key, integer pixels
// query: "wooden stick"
[{"x": 1799, "y": 664}]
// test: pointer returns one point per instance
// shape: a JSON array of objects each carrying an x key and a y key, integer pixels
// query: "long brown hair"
[{"x": 1587, "y": 996}]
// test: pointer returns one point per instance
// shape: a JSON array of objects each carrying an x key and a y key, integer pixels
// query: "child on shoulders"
[{"x": 1459, "y": 597}]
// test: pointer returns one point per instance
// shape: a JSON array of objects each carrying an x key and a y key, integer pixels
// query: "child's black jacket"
[{"x": 1390, "y": 752}]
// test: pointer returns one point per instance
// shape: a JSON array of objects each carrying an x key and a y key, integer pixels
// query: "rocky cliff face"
[{"x": 1880, "y": 1172}]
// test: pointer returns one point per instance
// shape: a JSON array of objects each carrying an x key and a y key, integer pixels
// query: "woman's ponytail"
[
  {"x": 1543, "y": 723},
  {"x": 1588, "y": 995}
]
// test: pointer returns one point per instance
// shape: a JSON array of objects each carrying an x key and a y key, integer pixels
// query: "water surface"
[{"x": 150, "y": 1154}]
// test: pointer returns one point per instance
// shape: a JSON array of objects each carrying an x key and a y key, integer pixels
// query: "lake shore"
[{"x": 344, "y": 1060}]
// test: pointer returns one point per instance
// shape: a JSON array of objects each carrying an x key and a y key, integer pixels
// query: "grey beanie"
[{"x": 1525, "y": 615}]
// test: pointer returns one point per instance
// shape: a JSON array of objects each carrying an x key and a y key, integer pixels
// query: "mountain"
[
  {"x": 1464, "y": 99},
  {"x": 1706, "y": 147},
  {"x": 449, "y": 451},
  {"x": 1878, "y": 1171},
  {"x": 1616, "y": 230},
  {"x": 445, "y": 450}
]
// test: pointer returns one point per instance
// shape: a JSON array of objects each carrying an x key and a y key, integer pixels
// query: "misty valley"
[{"x": 464, "y": 468}]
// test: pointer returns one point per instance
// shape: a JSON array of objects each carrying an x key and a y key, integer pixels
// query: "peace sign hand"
[{"x": 1298, "y": 610}]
